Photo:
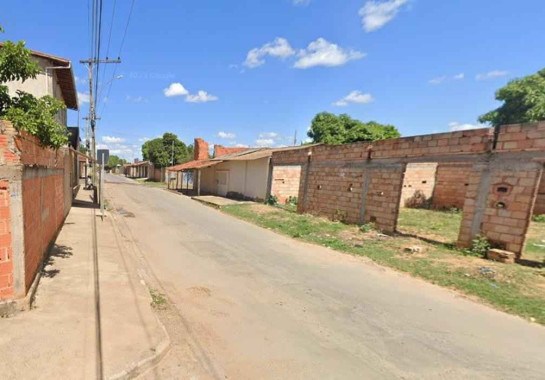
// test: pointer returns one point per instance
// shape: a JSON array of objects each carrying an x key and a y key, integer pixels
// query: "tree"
[
  {"x": 160, "y": 150},
  {"x": 36, "y": 116},
  {"x": 114, "y": 160},
  {"x": 523, "y": 101},
  {"x": 332, "y": 129}
]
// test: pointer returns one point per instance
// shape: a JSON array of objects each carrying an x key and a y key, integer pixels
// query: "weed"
[
  {"x": 367, "y": 227},
  {"x": 158, "y": 300},
  {"x": 291, "y": 201},
  {"x": 479, "y": 247},
  {"x": 539, "y": 218},
  {"x": 272, "y": 200}
]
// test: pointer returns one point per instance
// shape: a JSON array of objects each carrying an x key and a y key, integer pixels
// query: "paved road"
[{"x": 254, "y": 304}]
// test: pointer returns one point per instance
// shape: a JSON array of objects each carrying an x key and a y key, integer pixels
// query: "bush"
[
  {"x": 272, "y": 200},
  {"x": 479, "y": 247},
  {"x": 539, "y": 218},
  {"x": 367, "y": 227},
  {"x": 291, "y": 201}
]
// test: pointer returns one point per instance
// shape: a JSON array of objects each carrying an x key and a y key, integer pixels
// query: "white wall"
[
  {"x": 40, "y": 86},
  {"x": 245, "y": 177}
]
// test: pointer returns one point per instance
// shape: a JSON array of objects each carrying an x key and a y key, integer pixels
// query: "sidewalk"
[{"x": 58, "y": 337}]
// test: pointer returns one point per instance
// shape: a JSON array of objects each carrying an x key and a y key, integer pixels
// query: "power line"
[{"x": 120, "y": 50}]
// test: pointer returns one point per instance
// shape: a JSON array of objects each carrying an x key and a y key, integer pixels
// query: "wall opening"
[{"x": 420, "y": 214}]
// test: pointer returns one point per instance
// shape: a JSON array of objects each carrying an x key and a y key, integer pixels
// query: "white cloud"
[
  {"x": 143, "y": 139},
  {"x": 375, "y": 14},
  {"x": 201, "y": 97},
  {"x": 444, "y": 78},
  {"x": 438, "y": 80},
  {"x": 459, "y": 76},
  {"x": 455, "y": 126},
  {"x": 268, "y": 135},
  {"x": 226, "y": 135},
  {"x": 492, "y": 75},
  {"x": 279, "y": 48},
  {"x": 240, "y": 145},
  {"x": 324, "y": 53},
  {"x": 112, "y": 139},
  {"x": 136, "y": 99},
  {"x": 83, "y": 97},
  {"x": 260, "y": 143},
  {"x": 301, "y": 2},
  {"x": 175, "y": 89},
  {"x": 355, "y": 97}
]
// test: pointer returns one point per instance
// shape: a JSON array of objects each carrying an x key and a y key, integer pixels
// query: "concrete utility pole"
[{"x": 92, "y": 108}]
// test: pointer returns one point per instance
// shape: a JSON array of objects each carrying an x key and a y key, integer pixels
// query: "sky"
[{"x": 254, "y": 73}]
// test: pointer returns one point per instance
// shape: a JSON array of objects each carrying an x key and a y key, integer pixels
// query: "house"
[
  {"x": 139, "y": 169},
  {"x": 56, "y": 79},
  {"x": 241, "y": 173}
]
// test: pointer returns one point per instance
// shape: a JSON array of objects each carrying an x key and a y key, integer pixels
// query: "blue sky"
[{"x": 265, "y": 68}]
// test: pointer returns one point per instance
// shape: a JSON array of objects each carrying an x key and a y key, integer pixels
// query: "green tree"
[
  {"x": 160, "y": 151},
  {"x": 523, "y": 101},
  {"x": 332, "y": 129},
  {"x": 36, "y": 116},
  {"x": 114, "y": 160}
]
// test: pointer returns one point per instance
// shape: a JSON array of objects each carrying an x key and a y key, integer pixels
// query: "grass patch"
[
  {"x": 158, "y": 300},
  {"x": 516, "y": 289},
  {"x": 442, "y": 226}
]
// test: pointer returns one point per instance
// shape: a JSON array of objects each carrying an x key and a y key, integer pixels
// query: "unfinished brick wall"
[
  {"x": 36, "y": 189},
  {"x": 540, "y": 200},
  {"x": 285, "y": 182},
  {"x": 419, "y": 180},
  {"x": 200, "y": 150},
  {"x": 450, "y": 185},
  {"x": 362, "y": 182}
]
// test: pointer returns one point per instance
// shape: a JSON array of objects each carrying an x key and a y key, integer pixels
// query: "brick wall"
[
  {"x": 450, "y": 185},
  {"x": 220, "y": 150},
  {"x": 285, "y": 181},
  {"x": 36, "y": 190},
  {"x": 540, "y": 201},
  {"x": 363, "y": 181},
  {"x": 200, "y": 150},
  {"x": 419, "y": 179}
]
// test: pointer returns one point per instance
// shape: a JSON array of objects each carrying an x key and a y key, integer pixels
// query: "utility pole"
[
  {"x": 295, "y": 138},
  {"x": 92, "y": 109}
]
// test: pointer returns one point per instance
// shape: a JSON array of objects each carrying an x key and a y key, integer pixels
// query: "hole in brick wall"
[
  {"x": 373, "y": 219},
  {"x": 424, "y": 182},
  {"x": 500, "y": 205},
  {"x": 502, "y": 189},
  {"x": 319, "y": 187},
  {"x": 466, "y": 184}
]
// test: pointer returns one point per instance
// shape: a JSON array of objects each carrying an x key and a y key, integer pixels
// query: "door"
[{"x": 222, "y": 182}]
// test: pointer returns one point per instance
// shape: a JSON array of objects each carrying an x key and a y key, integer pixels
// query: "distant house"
[
  {"x": 139, "y": 169},
  {"x": 56, "y": 79},
  {"x": 233, "y": 172},
  {"x": 240, "y": 173}
]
